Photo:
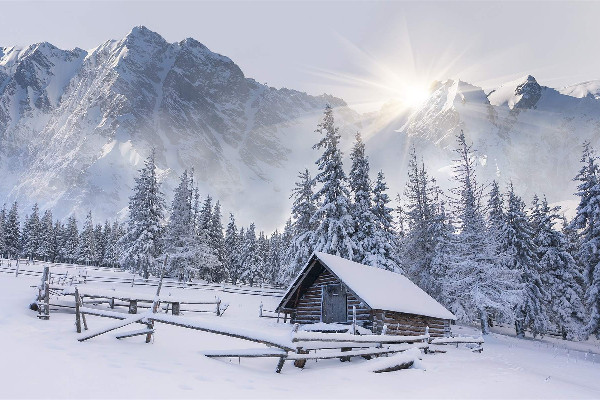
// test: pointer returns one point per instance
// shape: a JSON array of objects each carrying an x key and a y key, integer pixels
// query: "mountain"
[
  {"x": 523, "y": 132},
  {"x": 75, "y": 126}
]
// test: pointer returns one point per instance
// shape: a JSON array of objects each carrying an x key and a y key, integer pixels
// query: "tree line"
[{"x": 479, "y": 250}]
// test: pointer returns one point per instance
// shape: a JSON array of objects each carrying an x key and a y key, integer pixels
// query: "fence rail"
[{"x": 82, "y": 274}]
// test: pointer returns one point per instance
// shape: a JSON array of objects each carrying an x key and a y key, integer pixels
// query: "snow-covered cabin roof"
[{"x": 378, "y": 288}]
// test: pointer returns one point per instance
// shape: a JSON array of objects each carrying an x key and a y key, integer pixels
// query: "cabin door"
[{"x": 334, "y": 307}]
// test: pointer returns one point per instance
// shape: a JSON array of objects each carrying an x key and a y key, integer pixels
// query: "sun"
[{"x": 414, "y": 95}]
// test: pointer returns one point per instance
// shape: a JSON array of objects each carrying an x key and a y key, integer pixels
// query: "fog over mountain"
[{"x": 75, "y": 126}]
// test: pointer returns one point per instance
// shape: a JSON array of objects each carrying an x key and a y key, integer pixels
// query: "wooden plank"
[
  {"x": 246, "y": 353},
  {"x": 139, "y": 332},
  {"x": 125, "y": 322}
]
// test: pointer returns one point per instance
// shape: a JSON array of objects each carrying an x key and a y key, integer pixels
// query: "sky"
[{"x": 364, "y": 52}]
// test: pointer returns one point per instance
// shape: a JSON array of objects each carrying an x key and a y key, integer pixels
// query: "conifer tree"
[
  {"x": 3, "y": 231},
  {"x": 384, "y": 255},
  {"x": 231, "y": 246},
  {"x": 12, "y": 235},
  {"x": 520, "y": 255},
  {"x": 141, "y": 245},
  {"x": 31, "y": 237},
  {"x": 475, "y": 285},
  {"x": 587, "y": 223},
  {"x": 362, "y": 208},
  {"x": 86, "y": 253},
  {"x": 335, "y": 225},
  {"x": 559, "y": 272},
  {"x": 423, "y": 220},
  {"x": 47, "y": 235},
  {"x": 217, "y": 239},
  {"x": 250, "y": 257},
  {"x": 303, "y": 228},
  {"x": 71, "y": 240}
]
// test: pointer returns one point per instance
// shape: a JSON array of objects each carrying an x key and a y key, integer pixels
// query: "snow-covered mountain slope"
[
  {"x": 523, "y": 131},
  {"x": 75, "y": 126}
]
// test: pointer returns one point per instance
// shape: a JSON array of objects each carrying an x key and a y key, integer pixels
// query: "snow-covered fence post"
[
  {"x": 156, "y": 302},
  {"x": 133, "y": 281},
  {"x": 384, "y": 329},
  {"x": 77, "y": 314},
  {"x": 17, "y": 269},
  {"x": 260, "y": 310},
  {"x": 218, "y": 307},
  {"x": 354, "y": 320}
]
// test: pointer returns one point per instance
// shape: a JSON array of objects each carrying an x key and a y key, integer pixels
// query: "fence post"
[
  {"x": 354, "y": 320},
  {"x": 77, "y": 315},
  {"x": 17, "y": 270},
  {"x": 218, "y": 307},
  {"x": 260, "y": 310}
]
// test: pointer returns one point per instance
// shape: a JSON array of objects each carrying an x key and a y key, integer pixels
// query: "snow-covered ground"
[{"x": 44, "y": 359}]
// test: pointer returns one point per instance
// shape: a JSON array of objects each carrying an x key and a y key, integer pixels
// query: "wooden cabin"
[{"x": 328, "y": 287}]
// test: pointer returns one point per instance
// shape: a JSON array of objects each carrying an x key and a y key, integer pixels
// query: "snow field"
[{"x": 44, "y": 359}]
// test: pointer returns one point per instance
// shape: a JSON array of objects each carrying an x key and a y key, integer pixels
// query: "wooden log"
[
  {"x": 156, "y": 302},
  {"x": 402, "y": 365},
  {"x": 134, "y": 333},
  {"x": 176, "y": 308},
  {"x": 77, "y": 314},
  {"x": 123, "y": 323}
]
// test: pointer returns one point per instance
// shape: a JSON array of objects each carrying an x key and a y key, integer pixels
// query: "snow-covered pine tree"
[
  {"x": 262, "y": 252},
  {"x": 111, "y": 252},
  {"x": 47, "y": 235},
  {"x": 12, "y": 235},
  {"x": 401, "y": 219},
  {"x": 519, "y": 254},
  {"x": 86, "y": 252},
  {"x": 559, "y": 272},
  {"x": 207, "y": 253},
  {"x": 250, "y": 257},
  {"x": 496, "y": 214},
  {"x": 3, "y": 231},
  {"x": 475, "y": 285},
  {"x": 58, "y": 241},
  {"x": 275, "y": 258},
  {"x": 362, "y": 207},
  {"x": 71, "y": 241},
  {"x": 384, "y": 254},
  {"x": 181, "y": 241},
  {"x": 335, "y": 225},
  {"x": 423, "y": 220},
  {"x": 587, "y": 222},
  {"x": 31, "y": 237},
  {"x": 142, "y": 243},
  {"x": 231, "y": 250},
  {"x": 303, "y": 227},
  {"x": 219, "y": 273}
]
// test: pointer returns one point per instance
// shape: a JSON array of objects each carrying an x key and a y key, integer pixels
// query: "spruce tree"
[
  {"x": 423, "y": 221},
  {"x": 250, "y": 257},
  {"x": 47, "y": 235},
  {"x": 142, "y": 244},
  {"x": 475, "y": 285},
  {"x": 86, "y": 252},
  {"x": 12, "y": 235},
  {"x": 71, "y": 240},
  {"x": 303, "y": 228},
  {"x": 560, "y": 273},
  {"x": 217, "y": 239},
  {"x": 384, "y": 255},
  {"x": 231, "y": 250},
  {"x": 587, "y": 223},
  {"x": 520, "y": 255},
  {"x": 31, "y": 237},
  {"x": 335, "y": 225},
  {"x": 362, "y": 208},
  {"x": 181, "y": 242}
]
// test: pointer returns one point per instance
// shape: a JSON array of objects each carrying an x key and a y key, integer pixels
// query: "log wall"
[
  {"x": 309, "y": 305},
  {"x": 409, "y": 324}
]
